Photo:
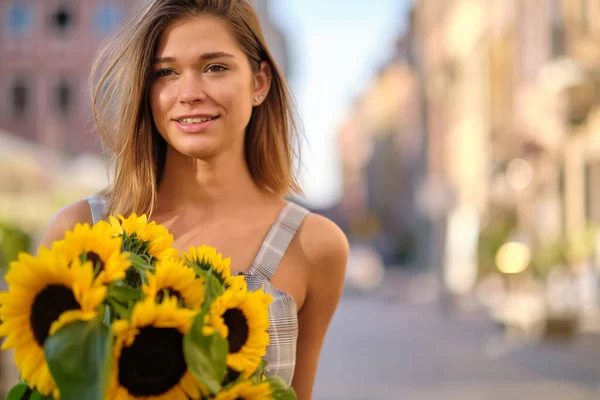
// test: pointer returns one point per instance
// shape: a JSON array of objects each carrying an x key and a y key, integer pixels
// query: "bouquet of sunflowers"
[{"x": 112, "y": 311}]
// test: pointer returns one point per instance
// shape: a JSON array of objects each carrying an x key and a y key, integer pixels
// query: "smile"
[
  {"x": 195, "y": 124},
  {"x": 189, "y": 121}
]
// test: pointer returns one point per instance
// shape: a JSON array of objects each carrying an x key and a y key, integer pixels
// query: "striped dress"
[{"x": 283, "y": 312}]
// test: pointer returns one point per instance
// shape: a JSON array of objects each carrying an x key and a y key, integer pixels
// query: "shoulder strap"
[
  {"x": 277, "y": 240},
  {"x": 97, "y": 207}
]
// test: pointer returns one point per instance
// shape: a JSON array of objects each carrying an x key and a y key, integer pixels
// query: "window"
[
  {"x": 62, "y": 19},
  {"x": 18, "y": 19},
  {"x": 106, "y": 18},
  {"x": 63, "y": 97},
  {"x": 19, "y": 94}
]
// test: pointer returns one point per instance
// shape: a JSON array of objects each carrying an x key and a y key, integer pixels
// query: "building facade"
[
  {"x": 46, "y": 50},
  {"x": 506, "y": 96}
]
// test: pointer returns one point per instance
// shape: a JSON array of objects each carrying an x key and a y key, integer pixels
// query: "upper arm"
[
  {"x": 65, "y": 219},
  {"x": 326, "y": 250}
]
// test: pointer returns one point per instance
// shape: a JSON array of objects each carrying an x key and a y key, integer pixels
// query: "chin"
[{"x": 195, "y": 147}]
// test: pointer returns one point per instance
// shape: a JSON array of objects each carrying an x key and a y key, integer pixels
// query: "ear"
[{"x": 261, "y": 84}]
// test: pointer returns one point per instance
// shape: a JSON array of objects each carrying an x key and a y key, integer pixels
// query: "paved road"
[{"x": 379, "y": 348}]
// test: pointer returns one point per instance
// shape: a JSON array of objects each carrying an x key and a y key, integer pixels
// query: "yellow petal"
[
  {"x": 31, "y": 361},
  {"x": 16, "y": 341},
  {"x": 190, "y": 387},
  {"x": 176, "y": 394},
  {"x": 122, "y": 394}
]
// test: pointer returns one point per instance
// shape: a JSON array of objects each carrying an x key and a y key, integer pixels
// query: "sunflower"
[
  {"x": 174, "y": 278},
  {"x": 148, "y": 357},
  {"x": 45, "y": 293},
  {"x": 237, "y": 282},
  {"x": 146, "y": 239},
  {"x": 247, "y": 391},
  {"x": 206, "y": 258},
  {"x": 98, "y": 245},
  {"x": 243, "y": 319}
]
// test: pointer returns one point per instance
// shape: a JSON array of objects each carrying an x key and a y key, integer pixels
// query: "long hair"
[{"x": 121, "y": 77}]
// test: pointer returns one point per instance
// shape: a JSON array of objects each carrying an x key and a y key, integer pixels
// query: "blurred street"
[{"x": 381, "y": 347}]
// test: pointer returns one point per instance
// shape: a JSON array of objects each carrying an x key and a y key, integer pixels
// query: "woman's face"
[{"x": 204, "y": 89}]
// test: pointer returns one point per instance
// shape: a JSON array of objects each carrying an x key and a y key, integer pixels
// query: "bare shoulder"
[
  {"x": 324, "y": 245},
  {"x": 65, "y": 219},
  {"x": 325, "y": 249}
]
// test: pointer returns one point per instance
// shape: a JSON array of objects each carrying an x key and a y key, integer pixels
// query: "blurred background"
[{"x": 456, "y": 142}]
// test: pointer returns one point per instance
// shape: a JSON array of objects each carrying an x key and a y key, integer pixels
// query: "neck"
[{"x": 214, "y": 186}]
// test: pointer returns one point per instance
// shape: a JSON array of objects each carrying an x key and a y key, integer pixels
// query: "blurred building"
[
  {"x": 512, "y": 96},
  {"x": 382, "y": 144},
  {"x": 46, "y": 49},
  {"x": 500, "y": 114}
]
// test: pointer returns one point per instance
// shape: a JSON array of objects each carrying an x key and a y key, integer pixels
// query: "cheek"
[
  {"x": 236, "y": 99},
  {"x": 161, "y": 100}
]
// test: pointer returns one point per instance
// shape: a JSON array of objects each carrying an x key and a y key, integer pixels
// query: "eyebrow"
[{"x": 203, "y": 57}]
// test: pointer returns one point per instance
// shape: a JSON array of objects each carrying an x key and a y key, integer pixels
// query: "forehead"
[{"x": 198, "y": 34}]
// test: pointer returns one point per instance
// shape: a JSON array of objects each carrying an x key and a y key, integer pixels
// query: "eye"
[
  {"x": 216, "y": 68},
  {"x": 163, "y": 72}
]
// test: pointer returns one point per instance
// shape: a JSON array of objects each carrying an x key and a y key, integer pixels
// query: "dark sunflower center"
[
  {"x": 232, "y": 375},
  {"x": 165, "y": 293},
  {"x": 96, "y": 261},
  {"x": 238, "y": 329},
  {"x": 154, "y": 363},
  {"x": 47, "y": 306}
]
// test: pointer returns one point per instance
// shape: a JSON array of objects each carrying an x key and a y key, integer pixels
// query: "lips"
[
  {"x": 195, "y": 120},
  {"x": 195, "y": 124}
]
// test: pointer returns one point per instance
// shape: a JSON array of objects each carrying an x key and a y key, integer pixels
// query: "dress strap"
[
  {"x": 97, "y": 207},
  {"x": 277, "y": 240}
]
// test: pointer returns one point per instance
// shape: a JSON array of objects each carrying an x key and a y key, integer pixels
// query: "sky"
[{"x": 335, "y": 48}]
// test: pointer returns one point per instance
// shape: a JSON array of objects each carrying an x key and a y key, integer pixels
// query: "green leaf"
[
  {"x": 281, "y": 391},
  {"x": 18, "y": 392},
  {"x": 38, "y": 396},
  {"x": 206, "y": 356},
  {"x": 199, "y": 271},
  {"x": 213, "y": 288},
  {"x": 79, "y": 357},
  {"x": 109, "y": 315},
  {"x": 139, "y": 262},
  {"x": 257, "y": 375},
  {"x": 123, "y": 311},
  {"x": 124, "y": 294},
  {"x": 22, "y": 391},
  {"x": 121, "y": 298}
]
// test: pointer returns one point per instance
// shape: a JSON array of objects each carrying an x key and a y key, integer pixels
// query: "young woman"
[{"x": 198, "y": 118}]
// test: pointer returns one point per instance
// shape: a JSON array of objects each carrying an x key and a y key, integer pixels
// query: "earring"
[{"x": 259, "y": 98}]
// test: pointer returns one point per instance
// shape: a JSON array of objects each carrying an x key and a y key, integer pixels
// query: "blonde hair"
[{"x": 121, "y": 78}]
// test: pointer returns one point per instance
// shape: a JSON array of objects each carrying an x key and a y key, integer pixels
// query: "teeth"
[{"x": 195, "y": 120}]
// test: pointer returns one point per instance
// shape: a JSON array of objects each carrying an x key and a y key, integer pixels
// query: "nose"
[{"x": 191, "y": 88}]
